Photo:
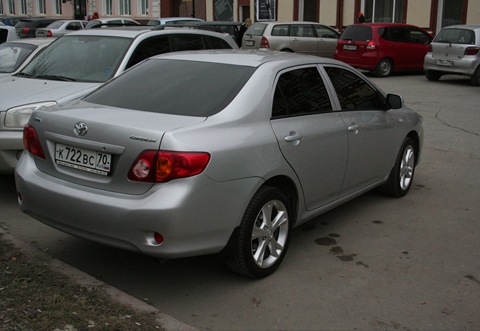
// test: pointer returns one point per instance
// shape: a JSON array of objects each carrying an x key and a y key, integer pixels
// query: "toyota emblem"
[{"x": 80, "y": 129}]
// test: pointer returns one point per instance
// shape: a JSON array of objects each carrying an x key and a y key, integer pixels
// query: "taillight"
[
  {"x": 31, "y": 141},
  {"x": 49, "y": 33},
  {"x": 472, "y": 51},
  {"x": 25, "y": 30},
  {"x": 371, "y": 45},
  {"x": 163, "y": 166},
  {"x": 264, "y": 43}
]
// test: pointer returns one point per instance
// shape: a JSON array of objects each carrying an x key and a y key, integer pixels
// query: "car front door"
[
  {"x": 326, "y": 40},
  {"x": 312, "y": 137},
  {"x": 303, "y": 39},
  {"x": 371, "y": 130}
]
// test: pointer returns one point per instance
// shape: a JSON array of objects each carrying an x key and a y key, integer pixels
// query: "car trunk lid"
[{"x": 96, "y": 146}]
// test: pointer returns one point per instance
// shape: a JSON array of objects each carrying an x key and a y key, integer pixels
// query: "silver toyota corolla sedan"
[{"x": 204, "y": 152}]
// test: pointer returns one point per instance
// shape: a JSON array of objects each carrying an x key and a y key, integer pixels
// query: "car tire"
[
  {"x": 433, "y": 75},
  {"x": 475, "y": 79},
  {"x": 261, "y": 241},
  {"x": 401, "y": 177},
  {"x": 384, "y": 67}
]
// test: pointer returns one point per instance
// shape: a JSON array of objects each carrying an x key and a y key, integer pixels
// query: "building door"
[
  {"x": 308, "y": 10},
  {"x": 80, "y": 9},
  {"x": 452, "y": 12}
]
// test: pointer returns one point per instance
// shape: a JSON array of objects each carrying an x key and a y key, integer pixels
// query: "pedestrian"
[
  {"x": 243, "y": 28},
  {"x": 361, "y": 18},
  {"x": 95, "y": 16}
]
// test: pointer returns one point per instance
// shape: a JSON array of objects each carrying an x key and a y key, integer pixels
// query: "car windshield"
[
  {"x": 13, "y": 55},
  {"x": 174, "y": 87},
  {"x": 456, "y": 36},
  {"x": 79, "y": 58},
  {"x": 357, "y": 33}
]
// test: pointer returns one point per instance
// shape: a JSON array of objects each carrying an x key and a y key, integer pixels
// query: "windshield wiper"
[
  {"x": 23, "y": 74},
  {"x": 56, "y": 77}
]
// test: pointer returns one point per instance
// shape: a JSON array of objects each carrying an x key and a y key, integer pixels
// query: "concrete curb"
[{"x": 165, "y": 321}]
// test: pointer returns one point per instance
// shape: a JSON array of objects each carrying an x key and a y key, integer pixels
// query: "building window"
[
  {"x": 143, "y": 7},
  {"x": 125, "y": 8},
  {"x": 41, "y": 7},
  {"x": 23, "y": 7},
  {"x": 58, "y": 7},
  {"x": 107, "y": 7},
  {"x": 384, "y": 11},
  {"x": 11, "y": 7},
  {"x": 453, "y": 12}
]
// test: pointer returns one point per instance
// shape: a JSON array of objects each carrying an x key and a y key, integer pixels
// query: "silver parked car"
[
  {"x": 79, "y": 62},
  {"x": 16, "y": 54},
  {"x": 455, "y": 50},
  {"x": 215, "y": 151},
  {"x": 59, "y": 28},
  {"x": 299, "y": 37}
]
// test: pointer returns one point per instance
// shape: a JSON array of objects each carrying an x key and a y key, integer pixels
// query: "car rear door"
[{"x": 311, "y": 136}]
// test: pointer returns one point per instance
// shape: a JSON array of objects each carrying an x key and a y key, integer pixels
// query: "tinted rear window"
[
  {"x": 256, "y": 29},
  {"x": 456, "y": 36},
  {"x": 189, "y": 88},
  {"x": 357, "y": 33}
]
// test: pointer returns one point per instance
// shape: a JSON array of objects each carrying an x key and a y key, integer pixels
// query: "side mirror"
[{"x": 395, "y": 101}]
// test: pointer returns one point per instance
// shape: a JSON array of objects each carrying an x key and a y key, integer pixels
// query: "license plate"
[
  {"x": 350, "y": 47},
  {"x": 83, "y": 159},
  {"x": 250, "y": 43},
  {"x": 446, "y": 63}
]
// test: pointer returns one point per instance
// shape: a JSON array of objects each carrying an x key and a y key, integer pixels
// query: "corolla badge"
[{"x": 80, "y": 128}]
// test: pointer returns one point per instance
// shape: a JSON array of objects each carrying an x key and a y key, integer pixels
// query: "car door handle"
[
  {"x": 354, "y": 128},
  {"x": 293, "y": 136}
]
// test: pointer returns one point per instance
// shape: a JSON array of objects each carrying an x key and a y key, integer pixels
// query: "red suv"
[{"x": 383, "y": 47}]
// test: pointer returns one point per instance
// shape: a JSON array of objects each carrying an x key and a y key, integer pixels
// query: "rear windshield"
[
  {"x": 256, "y": 29},
  {"x": 13, "y": 55},
  {"x": 456, "y": 36},
  {"x": 357, "y": 33},
  {"x": 189, "y": 88}
]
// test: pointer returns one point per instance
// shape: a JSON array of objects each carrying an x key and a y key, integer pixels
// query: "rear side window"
[
  {"x": 174, "y": 87},
  {"x": 256, "y": 29},
  {"x": 300, "y": 92},
  {"x": 148, "y": 48},
  {"x": 353, "y": 92},
  {"x": 357, "y": 33},
  {"x": 216, "y": 43},
  {"x": 456, "y": 36},
  {"x": 280, "y": 30}
]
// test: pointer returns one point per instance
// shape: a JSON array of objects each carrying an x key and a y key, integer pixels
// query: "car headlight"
[{"x": 17, "y": 117}]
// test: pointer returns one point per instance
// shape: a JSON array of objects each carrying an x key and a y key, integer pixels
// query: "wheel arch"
[{"x": 416, "y": 139}]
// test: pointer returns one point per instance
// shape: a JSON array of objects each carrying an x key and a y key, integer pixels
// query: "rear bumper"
[
  {"x": 196, "y": 215},
  {"x": 367, "y": 60},
  {"x": 465, "y": 66}
]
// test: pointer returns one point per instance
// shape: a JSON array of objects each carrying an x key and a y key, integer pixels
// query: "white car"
[
  {"x": 76, "y": 64},
  {"x": 7, "y": 33}
]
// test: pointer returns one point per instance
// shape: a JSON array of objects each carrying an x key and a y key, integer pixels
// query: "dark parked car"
[
  {"x": 27, "y": 27},
  {"x": 383, "y": 47},
  {"x": 11, "y": 20}
]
